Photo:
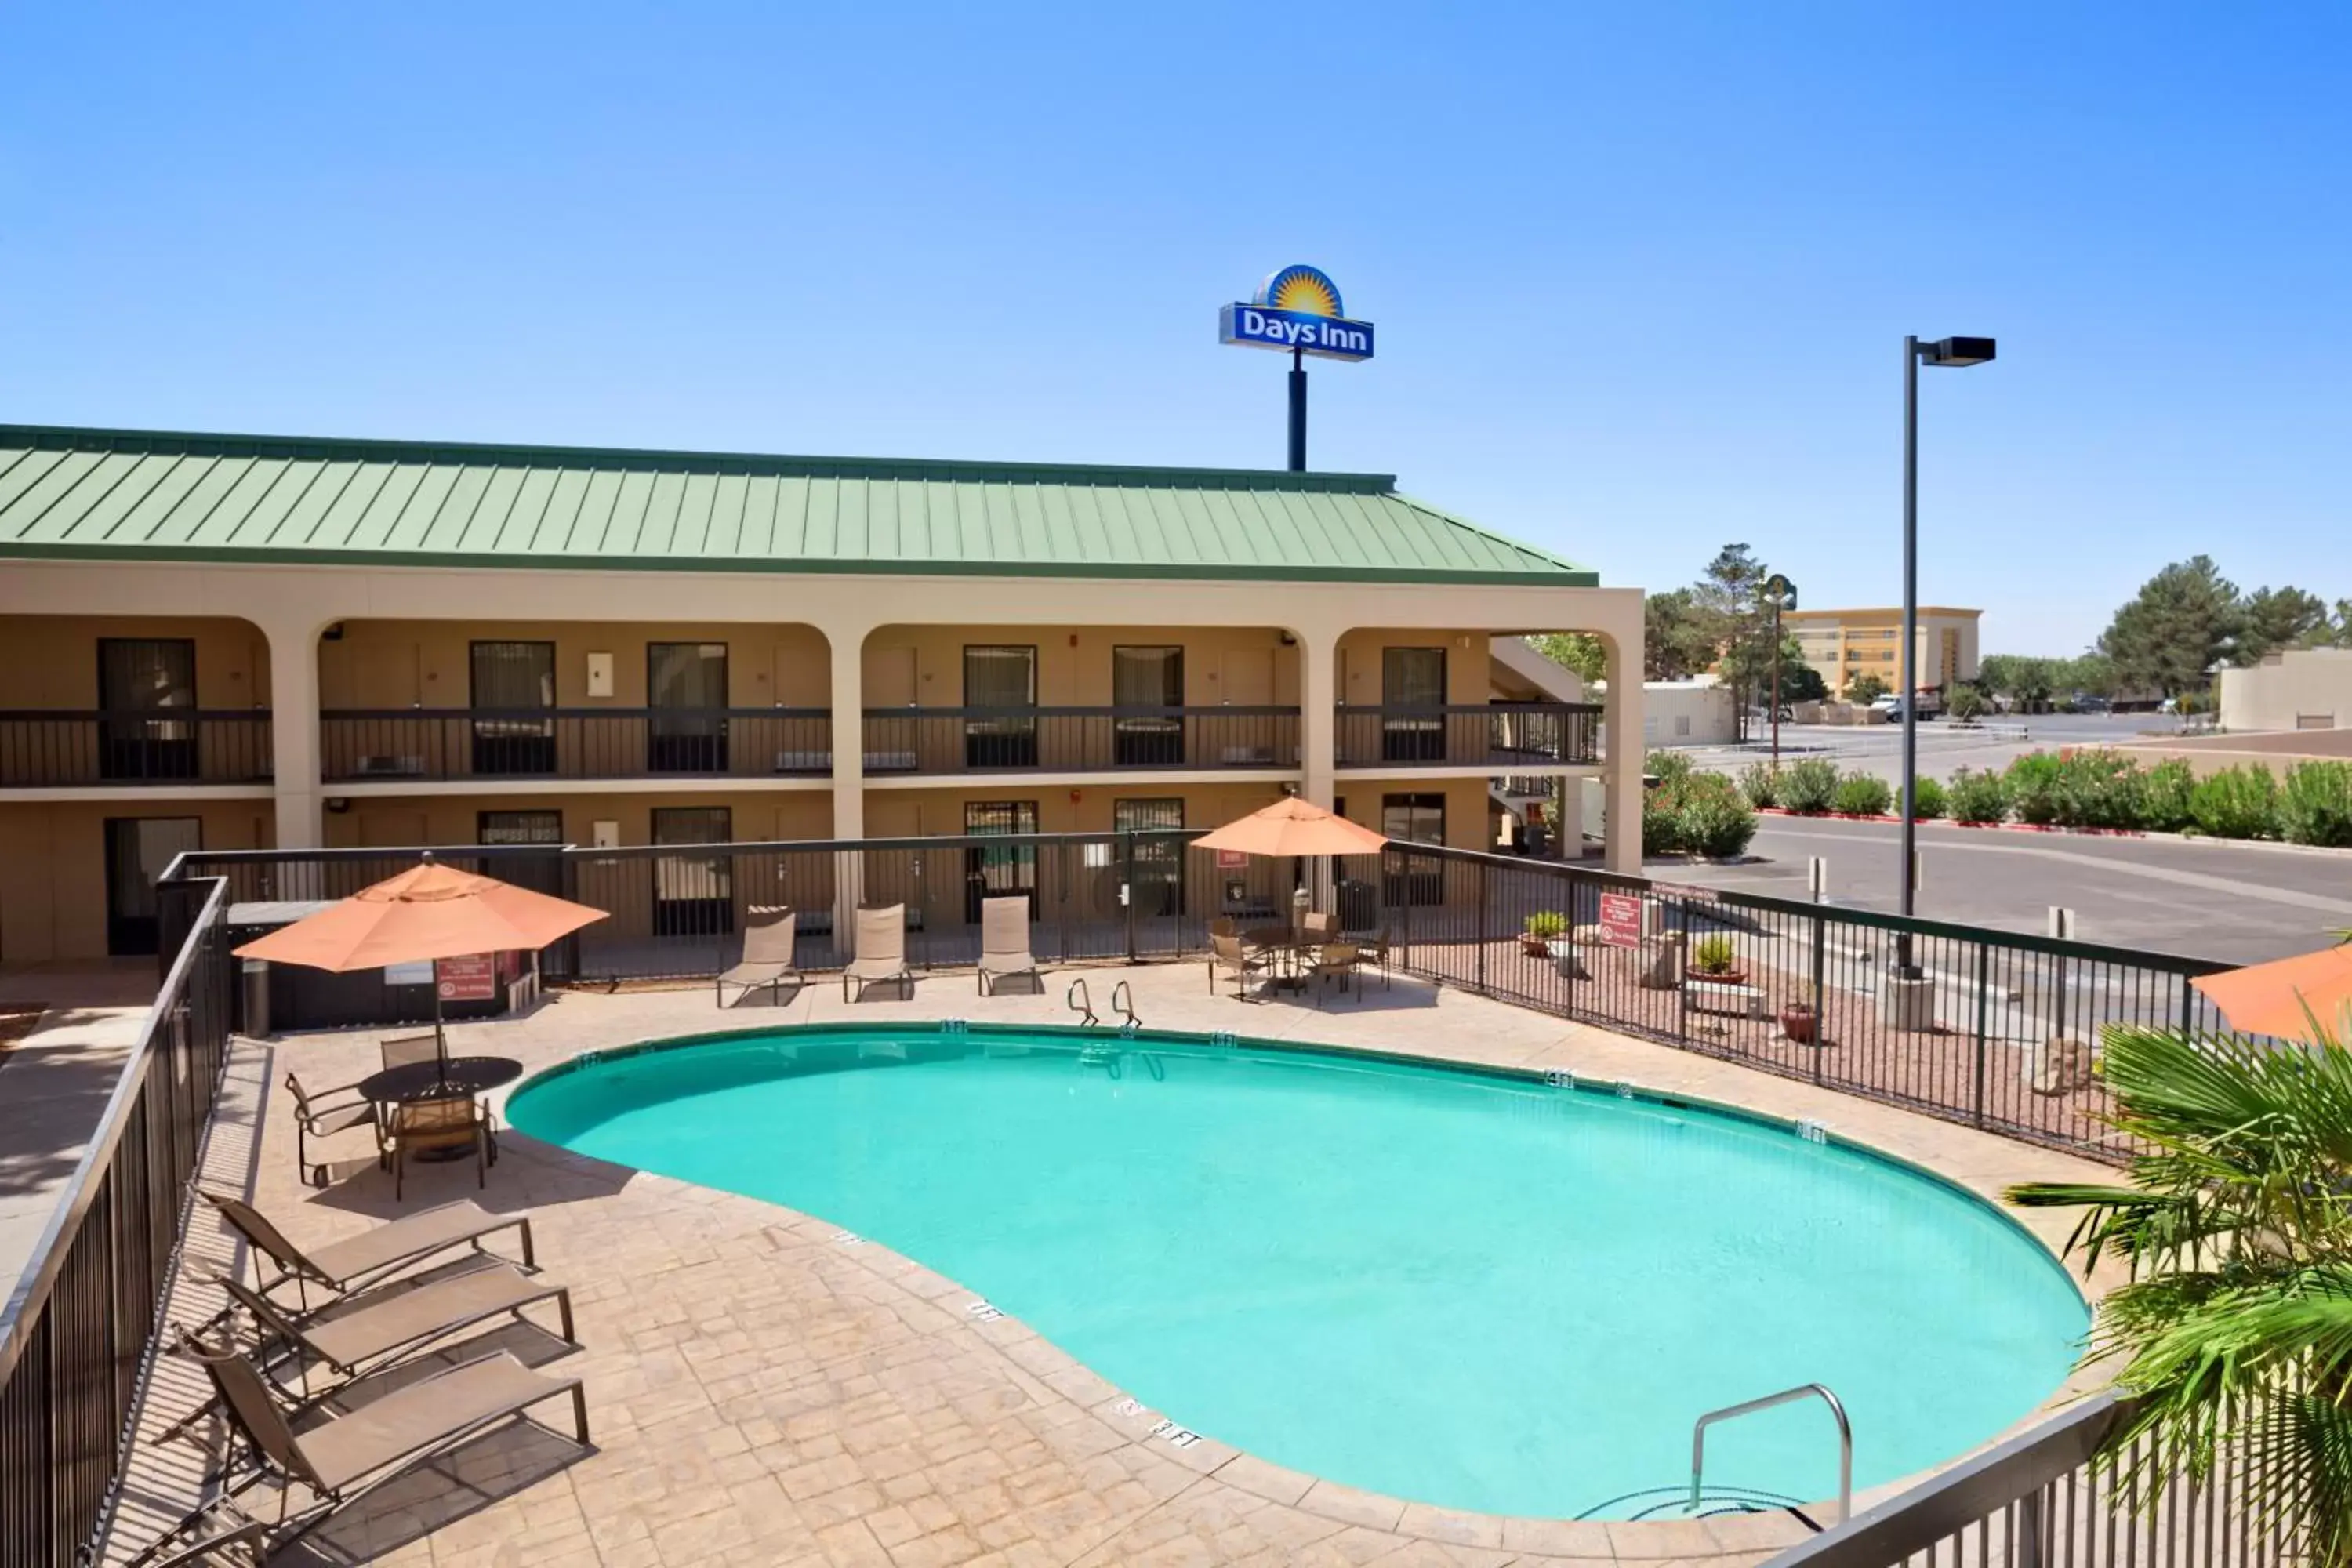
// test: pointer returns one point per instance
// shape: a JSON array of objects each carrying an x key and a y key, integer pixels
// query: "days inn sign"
[{"x": 1297, "y": 310}]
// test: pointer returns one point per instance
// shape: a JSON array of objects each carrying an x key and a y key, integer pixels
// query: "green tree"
[
  {"x": 1732, "y": 612},
  {"x": 1966, "y": 704},
  {"x": 1865, "y": 688},
  {"x": 2182, "y": 623},
  {"x": 2277, "y": 619},
  {"x": 2026, "y": 681},
  {"x": 2092, "y": 674},
  {"x": 1675, "y": 641},
  {"x": 2235, "y": 1328},
  {"x": 1578, "y": 651}
]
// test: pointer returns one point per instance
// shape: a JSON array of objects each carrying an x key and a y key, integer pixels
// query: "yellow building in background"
[{"x": 1842, "y": 644}]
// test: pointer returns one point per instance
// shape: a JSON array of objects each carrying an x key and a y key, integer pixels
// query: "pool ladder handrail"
[
  {"x": 1786, "y": 1396},
  {"x": 1079, "y": 1000},
  {"x": 1123, "y": 1002}
]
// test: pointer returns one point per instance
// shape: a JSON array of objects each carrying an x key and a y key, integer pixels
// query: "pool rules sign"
[{"x": 1620, "y": 919}]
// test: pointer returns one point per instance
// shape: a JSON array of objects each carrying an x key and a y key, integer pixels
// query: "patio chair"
[
  {"x": 881, "y": 952},
  {"x": 363, "y": 1335},
  {"x": 346, "y": 1459},
  {"x": 1333, "y": 960},
  {"x": 769, "y": 935},
  {"x": 1224, "y": 925},
  {"x": 1004, "y": 942},
  {"x": 1318, "y": 926},
  {"x": 323, "y": 1117},
  {"x": 426, "y": 1124},
  {"x": 1229, "y": 952},
  {"x": 402, "y": 1050},
  {"x": 343, "y": 1268},
  {"x": 1374, "y": 951}
]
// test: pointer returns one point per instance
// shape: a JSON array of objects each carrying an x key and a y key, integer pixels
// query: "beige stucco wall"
[
  {"x": 1073, "y": 662},
  {"x": 2304, "y": 688},
  {"x": 51, "y": 661},
  {"x": 400, "y": 821},
  {"x": 53, "y": 867},
  {"x": 1467, "y": 679},
  {"x": 428, "y": 663}
]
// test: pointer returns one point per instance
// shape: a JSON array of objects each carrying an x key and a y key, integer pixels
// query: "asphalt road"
[
  {"x": 1876, "y": 748},
  {"x": 2199, "y": 898}
]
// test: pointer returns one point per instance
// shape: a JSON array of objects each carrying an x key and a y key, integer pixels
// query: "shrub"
[
  {"x": 1669, "y": 768},
  {"x": 1863, "y": 795},
  {"x": 1759, "y": 784},
  {"x": 1807, "y": 787},
  {"x": 1968, "y": 704},
  {"x": 1716, "y": 821},
  {"x": 1545, "y": 924},
  {"x": 1661, "y": 822},
  {"x": 2097, "y": 789},
  {"x": 1865, "y": 688},
  {"x": 1717, "y": 955},
  {"x": 1977, "y": 796},
  {"x": 2237, "y": 803},
  {"x": 2164, "y": 796},
  {"x": 2315, "y": 806},
  {"x": 1927, "y": 801},
  {"x": 2033, "y": 783}
]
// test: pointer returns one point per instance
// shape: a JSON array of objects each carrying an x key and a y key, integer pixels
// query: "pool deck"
[{"x": 762, "y": 1390}]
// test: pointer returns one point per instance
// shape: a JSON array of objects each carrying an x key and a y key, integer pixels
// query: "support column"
[
  {"x": 848, "y": 656},
  {"x": 1621, "y": 765},
  {"x": 1318, "y": 692},
  {"x": 294, "y": 732}
]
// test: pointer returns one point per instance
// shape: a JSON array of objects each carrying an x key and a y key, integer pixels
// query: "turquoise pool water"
[{"x": 1478, "y": 1293}]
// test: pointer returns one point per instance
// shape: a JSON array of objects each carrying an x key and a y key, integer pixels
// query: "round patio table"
[{"x": 459, "y": 1078}]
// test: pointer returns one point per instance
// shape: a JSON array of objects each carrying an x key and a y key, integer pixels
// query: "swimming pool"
[{"x": 1481, "y": 1291}]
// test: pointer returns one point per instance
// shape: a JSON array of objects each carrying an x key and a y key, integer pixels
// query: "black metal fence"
[
  {"x": 45, "y": 747},
  {"x": 356, "y": 746},
  {"x": 76, "y": 1332},
  {"x": 2039, "y": 1501},
  {"x": 1498, "y": 735},
  {"x": 1997, "y": 1029},
  {"x": 929, "y": 741}
]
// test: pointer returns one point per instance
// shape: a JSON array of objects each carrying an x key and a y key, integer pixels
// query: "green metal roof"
[{"x": 136, "y": 495}]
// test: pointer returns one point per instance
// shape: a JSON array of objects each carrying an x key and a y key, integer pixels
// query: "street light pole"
[{"x": 1959, "y": 352}]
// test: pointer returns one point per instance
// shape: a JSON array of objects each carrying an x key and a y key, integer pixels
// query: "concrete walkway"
[{"x": 55, "y": 1082}]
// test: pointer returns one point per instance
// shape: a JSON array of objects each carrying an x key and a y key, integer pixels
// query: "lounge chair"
[
  {"x": 343, "y": 1268},
  {"x": 324, "y": 1118},
  {"x": 881, "y": 952},
  {"x": 1229, "y": 952},
  {"x": 422, "y": 1124},
  {"x": 342, "y": 1460},
  {"x": 365, "y": 1333},
  {"x": 1005, "y": 942},
  {"x": 768, "y": 938}
]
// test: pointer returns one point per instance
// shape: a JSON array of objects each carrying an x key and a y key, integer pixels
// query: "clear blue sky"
[{"x": 1640, "y": 271}]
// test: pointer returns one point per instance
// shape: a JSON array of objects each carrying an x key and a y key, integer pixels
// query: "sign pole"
[{"x": 1298, "y": 411}]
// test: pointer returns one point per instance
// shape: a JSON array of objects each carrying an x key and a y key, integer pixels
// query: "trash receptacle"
[
  {"x": 1359, "y": 910},
  {"x": 256, "y": 997}
]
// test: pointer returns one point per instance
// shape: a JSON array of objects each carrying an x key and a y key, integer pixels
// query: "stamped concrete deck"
[{"x": 762, "y": 1392}]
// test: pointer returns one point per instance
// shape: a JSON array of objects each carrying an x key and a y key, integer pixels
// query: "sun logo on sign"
[{"x": 1304, "y": 290}]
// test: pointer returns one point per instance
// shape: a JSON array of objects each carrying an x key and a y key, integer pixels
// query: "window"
[
  {"x": 1413, "y": 819},
  {"x": 137, "y": 676},
  {"x": 1002, "y": 680},
  {"x": 694, "y": 895},
  {"x": 139, "y": 849},
  {"x": 541, "y": 873},
  {"x": 1412, "y": 677},
  {"x": 1147, "y": 677},
  {"x": 685, "y": 687},
  {"x": 512, "y": 680},
  {"x": 996, "y": 873},
  {"x": 1158, "y": 887}
]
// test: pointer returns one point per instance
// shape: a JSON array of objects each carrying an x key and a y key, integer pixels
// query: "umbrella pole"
[{"x": 440, "y": 1039}]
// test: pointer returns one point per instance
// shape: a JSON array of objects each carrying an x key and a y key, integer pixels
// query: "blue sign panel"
[{"x": 1298, "y": 308}]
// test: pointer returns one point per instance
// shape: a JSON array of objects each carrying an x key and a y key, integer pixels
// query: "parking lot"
[
  {"x": 1944, "y": 747},
  {"x": 2201, "y": 899}
]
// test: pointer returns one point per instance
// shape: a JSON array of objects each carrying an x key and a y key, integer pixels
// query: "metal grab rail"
[
  {"x": 1079, "y": 1000},
  {"x": 1786, "y": 1396},
  {"x": 1123, "y": 1002}
]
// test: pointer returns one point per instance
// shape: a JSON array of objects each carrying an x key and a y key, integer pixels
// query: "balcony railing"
[
  {"x": 929, "y": 741},
  {"x": 402, "y": 744},
  {"x": 1498, "y": 735},
  {"x": 56, "y": 748}
]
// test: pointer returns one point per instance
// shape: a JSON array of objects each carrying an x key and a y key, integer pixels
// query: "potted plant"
[
  {"x": 1541, "y": 928},
  {"x": 1716, "y": 959},
  {"x": 1801, "y": 1023}
]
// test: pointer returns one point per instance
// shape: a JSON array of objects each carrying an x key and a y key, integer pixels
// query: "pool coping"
[{"x": 1722, "y": 1535}]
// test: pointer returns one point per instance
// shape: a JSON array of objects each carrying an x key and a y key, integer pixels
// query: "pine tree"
[{"x": 2184, "y": 622}]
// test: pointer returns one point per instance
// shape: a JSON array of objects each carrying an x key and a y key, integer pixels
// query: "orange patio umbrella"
[
  {"x": 2283, "y": 997},
  {"x": 1292, "y": 826},
  {"x": 428, "y": 911}
]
